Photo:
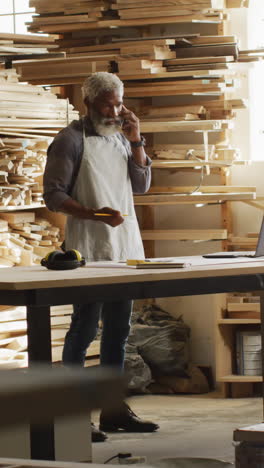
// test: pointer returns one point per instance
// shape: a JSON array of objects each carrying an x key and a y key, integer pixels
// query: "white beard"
[
  {"x": 106, "y": 130},
  {"x": 100, "y": 124}
]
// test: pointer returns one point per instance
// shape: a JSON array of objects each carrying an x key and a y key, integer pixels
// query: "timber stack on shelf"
[
  {"x": 63, "y": 16},
  {"x": 195, "y": 73},
  {"x": 13, "y": 339},
  {"x": 29, "y": 117},
  {"x": 13, "y": 46}
]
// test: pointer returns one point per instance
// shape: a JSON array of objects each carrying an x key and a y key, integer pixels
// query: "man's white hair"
[{"x": 101, "y": 82}]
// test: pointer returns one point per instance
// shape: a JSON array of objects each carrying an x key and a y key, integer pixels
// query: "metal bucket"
[{"x": 249, "y": 455}]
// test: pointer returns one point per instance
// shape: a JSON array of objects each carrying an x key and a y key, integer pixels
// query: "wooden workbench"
[{"x": 38, "y": 288}]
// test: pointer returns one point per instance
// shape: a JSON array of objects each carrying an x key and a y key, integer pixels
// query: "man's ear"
[{"x": 87, "y": 104}]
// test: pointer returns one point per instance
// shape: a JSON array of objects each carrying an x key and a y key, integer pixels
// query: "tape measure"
[{"x": 69, "y": 260}]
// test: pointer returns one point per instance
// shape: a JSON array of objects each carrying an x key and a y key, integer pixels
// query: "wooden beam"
[
  {"x": 183, "y": 235},
  {"x": 202, "y": 189},
  {"x": 195, "y": 198}
]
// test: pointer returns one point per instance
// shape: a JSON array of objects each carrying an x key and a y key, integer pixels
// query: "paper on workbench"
[{"x": 189, "y": 261}]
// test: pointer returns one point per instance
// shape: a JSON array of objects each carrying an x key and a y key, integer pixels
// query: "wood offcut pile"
[
  {"x": 22, "y": 161},
  {"x": 25, "y": 238}
]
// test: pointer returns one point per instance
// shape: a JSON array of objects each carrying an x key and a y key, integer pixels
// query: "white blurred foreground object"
[
  {"x": 40, "y": 393},
  {"x": 191, "y": 463}
]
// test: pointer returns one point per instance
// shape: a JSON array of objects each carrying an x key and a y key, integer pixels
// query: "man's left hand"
[{"x": 130, "y": 125}]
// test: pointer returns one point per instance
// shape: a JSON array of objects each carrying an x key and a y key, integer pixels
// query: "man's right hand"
[
  {"x": 108, "y": 216},
  {"x": 74, "y": 208}
]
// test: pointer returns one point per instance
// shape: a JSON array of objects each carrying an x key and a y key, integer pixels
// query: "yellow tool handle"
[{"x": 136, "y": 262}]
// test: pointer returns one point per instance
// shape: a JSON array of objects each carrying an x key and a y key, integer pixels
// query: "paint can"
[{"x": 249, "y": 455}]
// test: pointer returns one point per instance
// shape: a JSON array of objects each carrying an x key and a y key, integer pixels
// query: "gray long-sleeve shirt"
[{"x": 64, "y": 159}]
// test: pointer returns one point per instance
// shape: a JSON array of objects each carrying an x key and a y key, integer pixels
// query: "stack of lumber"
[
  {"x": 214, "y": 86},
  {"x": 243, "y": 306},
  {"x": 135, "y": 9},
  {"x": 193, "y": 156},
  {"x": 208, "y": 109},
  {"x": 63, "y": 16},
  {"x": 157, "y": 48},
  {"x": 25, "y": 238},
  {"x": 185, "y": 126},
  {"x": 62, "y": 70},
  {"x": 25, "y": 107},
  {"x": 161, "y": 196},
  {"x": 186, "y": 56},
  {"x": 190, "y": 63},
  {"x": 13, "y": 339},
  {"x": 201, "y": 235},
  {"x": 251, "y": 55},
  {"x": 22, "y": 161},
  {"x": 194, "y": 152},
  {"x": 246, "y": 242},
  {"x": 25, "y": 44}
]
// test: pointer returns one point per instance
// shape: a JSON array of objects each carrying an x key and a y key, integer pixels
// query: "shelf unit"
[{"x": 232, "y": 384}]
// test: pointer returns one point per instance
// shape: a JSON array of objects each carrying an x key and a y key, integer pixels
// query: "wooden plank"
[
  {"x": 208, "y": 51},
  {"x": 156, "y": 164},
  {"x": 185, "y": 126},
  {"x": 25, "y": 38},
  {"x": 210, "y": 3},
  {"x": 240, "y": 378},
  {"x": 140, "y": 22},
  {"x": 200, "y": 40},
  {"x": 183, "y": 235},
  {"x": 205, "y": 4},
  {"x": 174, "y": 91},
  {"x": 244, "y": 307},
  {"x": 154, "y": 12},
  {"x": 237, "y": 3},
  {"x": 21, "y": 217},
  {"x": 202, "y": 189},
  {"x": 195, "y": 198},
  {"x": 239, "y": 321},
  {"x": 198, "y": 60}
]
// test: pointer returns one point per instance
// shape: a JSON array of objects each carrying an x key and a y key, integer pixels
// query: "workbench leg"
[
  {"x": 262, "y": 340},
  {"x": 39, "y": 351}
]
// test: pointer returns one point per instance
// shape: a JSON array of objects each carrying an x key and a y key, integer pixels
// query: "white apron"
[{"x": 103, "y": 180}]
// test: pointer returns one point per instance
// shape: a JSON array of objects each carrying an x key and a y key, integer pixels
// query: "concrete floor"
[{"x": 190, "y": 426}]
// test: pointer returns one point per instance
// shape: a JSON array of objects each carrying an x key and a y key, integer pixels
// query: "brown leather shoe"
[
  {"x": 126, "y": 420},
  {"x": 97, "y": 434}
]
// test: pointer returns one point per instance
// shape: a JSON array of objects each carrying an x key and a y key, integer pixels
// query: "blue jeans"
[{"x": 84, "y": 325}]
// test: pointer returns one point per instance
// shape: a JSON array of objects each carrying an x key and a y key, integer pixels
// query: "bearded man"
[{"x": 91, "y": 173}]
